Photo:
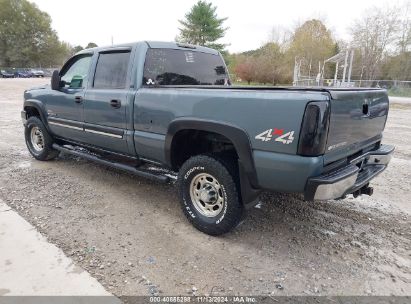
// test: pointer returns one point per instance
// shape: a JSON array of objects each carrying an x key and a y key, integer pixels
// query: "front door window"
[{"x": 75, "y": 73}]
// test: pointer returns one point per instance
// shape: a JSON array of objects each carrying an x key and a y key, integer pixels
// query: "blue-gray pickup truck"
[{"x": 167, "y": 111}]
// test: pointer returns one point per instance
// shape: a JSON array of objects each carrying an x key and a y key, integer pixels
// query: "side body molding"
[{"x": 236, "y": 135}]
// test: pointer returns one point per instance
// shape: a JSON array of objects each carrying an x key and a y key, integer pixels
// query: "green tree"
[
  {"x": 91, "y": 45},
  {"x": 266, "y": 65},
  {"x": 374, "y": 33},
  {"x": 202, "y": 26},
  {"x": 312, "y": 42},
  {"x": 54, "y": 54},
  {"x": 269, "y": 64},
  {"x": 77, "y": 49},
  {"x": 397, "y": 66},
  {"x": 245, "y": 68},
  {"x": 26, "y": 36}
]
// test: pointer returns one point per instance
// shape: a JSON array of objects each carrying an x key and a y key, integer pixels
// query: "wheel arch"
[
  {"x": 239, "y": 139},
  {"x": 32, "y": 104}
]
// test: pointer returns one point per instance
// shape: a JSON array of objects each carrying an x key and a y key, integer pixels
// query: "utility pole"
[
  {"x": 350, "y": 68},
  {"x": 345, "y": 66},
  {"x": 336, "y": 74}
]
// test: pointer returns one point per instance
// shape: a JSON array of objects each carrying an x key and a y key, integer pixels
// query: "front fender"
[{"x": 39, "y": 106}]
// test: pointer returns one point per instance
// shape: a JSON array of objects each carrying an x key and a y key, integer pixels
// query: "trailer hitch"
[{"x": 367, "y": 190}]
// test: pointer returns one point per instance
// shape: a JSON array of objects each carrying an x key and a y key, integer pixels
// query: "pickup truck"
[{"x": 167, "y": 111}]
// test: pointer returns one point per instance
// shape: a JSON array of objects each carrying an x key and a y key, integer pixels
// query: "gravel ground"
[{"x": 130, "y": 234}]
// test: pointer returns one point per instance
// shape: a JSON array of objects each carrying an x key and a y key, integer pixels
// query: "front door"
[
  {"x": 106, "y": 102},
  {"x": 65, "y": 106}
]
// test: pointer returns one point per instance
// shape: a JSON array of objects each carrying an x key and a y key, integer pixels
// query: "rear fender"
[{"x": 240, "y": 140}]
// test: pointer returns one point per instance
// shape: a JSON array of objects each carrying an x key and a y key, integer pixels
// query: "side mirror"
[{"x": 55, "y": 80}]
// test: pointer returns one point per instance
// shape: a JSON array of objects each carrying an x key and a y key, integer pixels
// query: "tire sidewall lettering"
[
  {"x": 191, "y": 213},
  {"x": 187, "y": 175},
  {"x": 219, "y": 220}
]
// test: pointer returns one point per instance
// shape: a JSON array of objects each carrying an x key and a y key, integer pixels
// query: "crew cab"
[{"x": 167, "y": 111}]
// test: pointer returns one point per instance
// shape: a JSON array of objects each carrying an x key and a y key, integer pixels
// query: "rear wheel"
[
  {"x": 209, "y": 194},
  {"x": 38, "y": 140}
]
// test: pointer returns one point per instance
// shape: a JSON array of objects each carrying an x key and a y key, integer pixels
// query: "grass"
[
  {"x": 400, "y": 106},
  {"x": 400, "y": 92}
]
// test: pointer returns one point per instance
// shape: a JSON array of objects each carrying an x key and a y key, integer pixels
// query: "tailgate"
[{"x": 357, "y": 120}]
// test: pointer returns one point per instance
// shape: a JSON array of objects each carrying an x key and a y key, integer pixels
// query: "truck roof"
[
  {"x": 178, "y": 45},
  {"x": 158, "y": 45}
]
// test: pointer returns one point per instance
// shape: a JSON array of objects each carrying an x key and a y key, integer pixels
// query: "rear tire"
[
  {"x": 38, "y": 140},
  {"x": 209, "y": 194}
]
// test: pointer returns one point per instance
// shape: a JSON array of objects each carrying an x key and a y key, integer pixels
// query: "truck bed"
[{"x": 357, "y": 118}]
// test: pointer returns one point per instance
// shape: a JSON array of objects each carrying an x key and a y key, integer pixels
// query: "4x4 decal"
[{"x": 269, "y": 134}]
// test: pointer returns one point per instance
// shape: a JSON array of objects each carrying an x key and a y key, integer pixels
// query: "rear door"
[
  {"x": 357, "y": 121},
  {"x": 106, "y": 103}
]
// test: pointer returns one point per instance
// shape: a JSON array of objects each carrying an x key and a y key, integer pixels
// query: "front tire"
[
  {"x": 38, "y": 140},
  {"x": 209, "y": 194}
]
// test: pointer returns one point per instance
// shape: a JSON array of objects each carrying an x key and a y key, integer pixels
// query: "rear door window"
[
  {"x": 183, "y": 67},
  {"x": 111, "y": 70}
]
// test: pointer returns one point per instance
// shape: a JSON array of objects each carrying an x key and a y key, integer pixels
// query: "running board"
[{"x": 120, "y": 166}]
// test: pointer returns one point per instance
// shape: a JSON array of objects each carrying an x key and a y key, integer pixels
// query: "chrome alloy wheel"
[
  {"x": 207, "y": 195},
  {"x": 37, "y": 139}
]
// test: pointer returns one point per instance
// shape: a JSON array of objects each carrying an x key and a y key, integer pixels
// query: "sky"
[{"x": 250, "y": 22}]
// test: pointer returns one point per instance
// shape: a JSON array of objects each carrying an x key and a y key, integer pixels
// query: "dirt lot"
[{"x": 130, "y": 234}]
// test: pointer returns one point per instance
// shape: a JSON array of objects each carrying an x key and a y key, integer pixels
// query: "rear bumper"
[{"x": 350, "y": 178}]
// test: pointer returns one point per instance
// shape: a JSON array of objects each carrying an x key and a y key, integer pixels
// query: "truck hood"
[{"x": 43, "y": 87}]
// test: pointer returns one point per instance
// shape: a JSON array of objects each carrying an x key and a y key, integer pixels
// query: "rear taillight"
[{"x": 314, "y": 129}]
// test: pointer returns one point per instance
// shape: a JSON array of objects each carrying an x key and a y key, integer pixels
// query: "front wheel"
[
  {"x": 38, "y": 140},
  {"x": 209, "y": 193}
]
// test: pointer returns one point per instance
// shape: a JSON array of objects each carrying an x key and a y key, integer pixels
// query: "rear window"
[
  {"x": 111, "y": 70},
  {"x": 183, "y": 67}
]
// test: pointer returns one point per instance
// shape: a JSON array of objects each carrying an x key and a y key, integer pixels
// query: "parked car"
[
  {"x": 28, "y": 72},
  {"x": 36, "y": 73},
  {"x": 166, "y": 111},
  {"x": 6, "y": 74},
  {"x": 22, "y": 74},
  {"x": 48, "y": 72}
]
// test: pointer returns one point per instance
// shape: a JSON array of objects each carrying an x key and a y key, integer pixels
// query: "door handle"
[
  {"x": 115, "y": 103},
  {"x": 78, "y": 99},
  {"x": 365, "y": 110}
]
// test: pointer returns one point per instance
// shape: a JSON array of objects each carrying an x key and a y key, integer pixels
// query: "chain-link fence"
[
  {"x": 386, "y": 84},
  {"x": 394, "y": 87}
]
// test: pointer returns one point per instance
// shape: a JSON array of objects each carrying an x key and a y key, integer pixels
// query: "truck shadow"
[
  {"x": 277, "y": 218},
  {"x": 86, "y": 204},
  {"x": 329, "y": 227}
]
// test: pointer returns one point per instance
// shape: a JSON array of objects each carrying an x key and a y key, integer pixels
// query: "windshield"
[{"x": 183, "y": 67}]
